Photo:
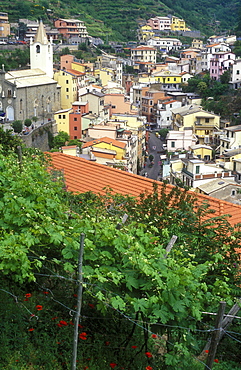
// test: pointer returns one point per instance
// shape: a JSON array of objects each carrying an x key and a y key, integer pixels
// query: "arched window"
[{"x": 38, "y": 49}]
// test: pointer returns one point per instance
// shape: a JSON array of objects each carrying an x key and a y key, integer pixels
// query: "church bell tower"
[{"x": 41, "y": 52}]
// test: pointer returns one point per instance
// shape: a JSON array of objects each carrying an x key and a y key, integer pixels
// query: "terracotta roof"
[
  {"x": 106, "y": 140},
  {"x": 74, "y": 72},
  {"x": 210, "y": 46},
  {"x": 82, "y": 176}
]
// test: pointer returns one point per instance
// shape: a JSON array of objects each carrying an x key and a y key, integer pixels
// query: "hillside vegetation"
[{"x": 118, "y": 20}]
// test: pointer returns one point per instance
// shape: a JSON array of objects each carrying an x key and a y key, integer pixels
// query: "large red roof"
[{"x": 82, "y": 175}]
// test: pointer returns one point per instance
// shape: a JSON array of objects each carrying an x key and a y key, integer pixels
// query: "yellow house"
[
  {"x": 145, "y": 32},
  {"x": 203, "y": 123},
  {"x": 178, "y": 24},
  {"x": 105, "y": 75},
  {"x": 202, "y": 151},
  {"x": 69, "y": 86},
  {"x": 62, "y": 120},
  {"x": 167, "y": 77},
  {"x": 109, "y": 144}
]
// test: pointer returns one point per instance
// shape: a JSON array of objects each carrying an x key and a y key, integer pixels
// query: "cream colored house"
[
  {"x": 143, "y": 54},
  {"x": 231, "y": 139}
]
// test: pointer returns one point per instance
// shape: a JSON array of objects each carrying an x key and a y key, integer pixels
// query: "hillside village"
[
  {"x": 113, "y": 113},
  {"x": 120, "y": 247}
]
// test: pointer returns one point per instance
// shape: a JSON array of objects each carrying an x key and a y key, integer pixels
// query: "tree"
[
  {"x": 60, "y": 139},
  {"x": 27, "y": 122},
  {"x": 17, "y": 126},
  {"x": 163, "y": 132},
  {"x": 151, "y": 157},
  {"x": 8, "y": 141}
]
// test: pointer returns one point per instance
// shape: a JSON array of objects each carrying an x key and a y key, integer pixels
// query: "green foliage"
[
  {"x": 17, "y": 126},
  {"x": 60, "y": 139},
  {"x": 151, "y": 157},
  {"x": 34, "y": 119},
  {"x": 119, "y": 20},
  {"x": 27, "y": 122},
  {"x": 163, "y": 132},
  {"x": 82, "y": 46},
  {"x": 8, "y": 141},
  {"x": 129, "y": 278}
]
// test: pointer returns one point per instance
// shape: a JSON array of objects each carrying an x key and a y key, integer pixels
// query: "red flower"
[
  {"x": 39, "y": 307},
  {"x": 91, "y": 305},
  {"x": 206, "y": 351},
  {"x": 59, "y": 325},
  {"x": 83, "y": 336},
  {"x": 113, "y": 365},
  {"x": 107, "y": 343},
  {"x": 148, "y": 368},
  {"x": 28, "y": 295},
  {"x": 45, "y": 292},
  {"x": 216, "y": 360},
  {"x": 154, "y": 336},
  {"x": 75, "y": 295},
  {"x": 31, "y": 329},
  {"x": 71, "y": 323},
  {"x": 63, "y": 323},
  {"x": 54, "y": 318},
  {"x": 26, "y": 299},
  {"x": 148, "y": 354},
  {"x": 80, "y": 326},
  {"x": 86, "y": 367},
  {"x": 134, "y": 347}
]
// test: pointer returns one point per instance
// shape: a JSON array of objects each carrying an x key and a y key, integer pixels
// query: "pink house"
[
  {"x": 117, "y": 103},
  {"x": 221, "y": 62}
]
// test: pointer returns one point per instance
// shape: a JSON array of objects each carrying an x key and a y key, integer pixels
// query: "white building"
[
  {"x": 164, "y": 112},
  {"x": 165, "y": 44}
]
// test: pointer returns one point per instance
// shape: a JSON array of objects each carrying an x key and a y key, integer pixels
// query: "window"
[
  {"x": 75, "y": 137},
  {"x": 170, "y": 105},
  {"x": 113, "y": 106},
  {"x": 9, "y": 93},
  {"x": 63, "y": 116},
  {"x": 75, "y": 128},
  {"x": 67, "y": 96},
  {"x": 75, "y": 118},
  {"x": 173, "y": 144},
  {"x": 197, "y": 170},
  {"x": 37, "y": 49},
  {"x": 206, "y": 120},
  {"x": 67, "y": 81},
  {"x": 59, "y": 116},
  {"x": 237, "y": 72},
  {"x": 233, "y": 193},
  {"x": 67, "y": 89}
]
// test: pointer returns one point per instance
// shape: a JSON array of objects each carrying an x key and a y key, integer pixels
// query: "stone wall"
[{"x": 39, "y": 137}]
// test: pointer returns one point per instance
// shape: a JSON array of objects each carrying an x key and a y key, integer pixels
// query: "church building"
[{"x": 31, "y": 92}]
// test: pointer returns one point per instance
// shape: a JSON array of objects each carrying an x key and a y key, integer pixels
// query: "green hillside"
[{"x": 119, "y": 19}]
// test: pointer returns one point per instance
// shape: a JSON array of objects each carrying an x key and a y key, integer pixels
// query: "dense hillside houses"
[{"x": 121, "y": 99}]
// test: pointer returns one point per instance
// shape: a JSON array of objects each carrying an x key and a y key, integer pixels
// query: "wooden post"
[
  {"x": 79, "y": 302},
  {"x": 170, "y": 245},
  {"x": 215, "y": 336}
]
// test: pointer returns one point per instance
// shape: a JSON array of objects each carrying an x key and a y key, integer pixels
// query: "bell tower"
[{"x": 41, "y": 52}]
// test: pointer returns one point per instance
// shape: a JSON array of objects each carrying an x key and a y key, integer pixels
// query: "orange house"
[{"x": 75, "y": 119}]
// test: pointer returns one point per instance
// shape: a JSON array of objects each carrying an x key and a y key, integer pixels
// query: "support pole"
[
  {"x": 79, "y": 301},
  {"x": 216, "y": 336}
]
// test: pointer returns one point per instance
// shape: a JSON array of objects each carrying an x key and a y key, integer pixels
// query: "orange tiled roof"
[
  {"x": 210, "y": 46},
  {"x": 82, "y": 176},
  {"x": 106, "y": 140}
]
